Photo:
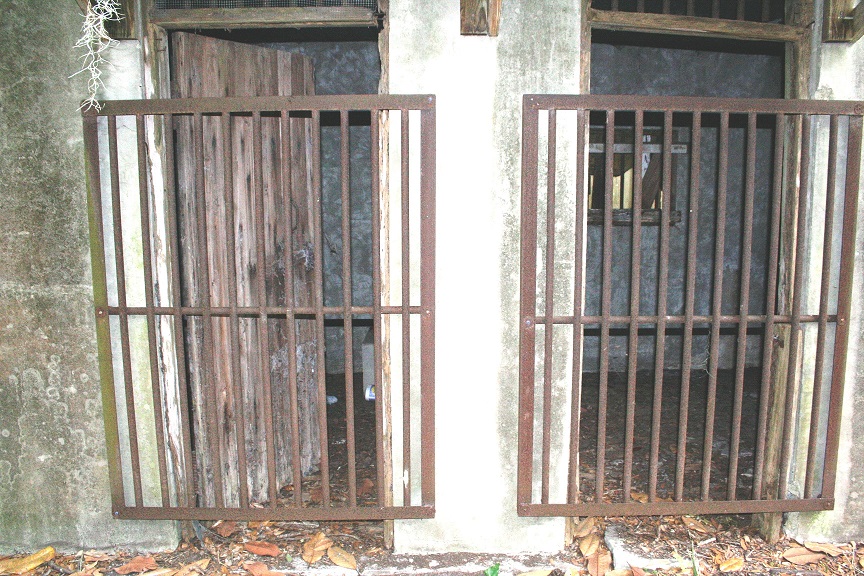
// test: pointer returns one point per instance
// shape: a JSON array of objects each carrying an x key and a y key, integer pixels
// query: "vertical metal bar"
[
  {"x": 766, "y": 10},
  {"x": 666, "y": 4},
  {"x": 406, "y": 301},
  {"x": 380, "y": 460},
  {"x": 717, "y": 300},
  {"x": 715, "y": 9},
  {"x": 578, "y": 280},
  {"x": 146, "y": 238},
  {"x": 691, "y": 7},
  {"x": 120, "y": 271},
  {"x": 743, "y": 306},
  {"x": 234, "y": 320},
  {"x": 739, "y": 14},
  {"x": 689, "y": 299},
  {"x": 548, "y": 326},
  {"x": 319, "y": 308},
  {"x": 100, "y": 301},
  {"x": 263, "y": 328},
  {"x": 662, "y": 296},
  {"x": 614, "y": 6},
  {"x": 347, "y": 316},
  {"x": 290, "y": 317},
  {"x": 797, "y": 299},
  {"x": 207, "y": 319},
  {"x": 844, "y": 303},
  {"x": 606, "y": 307},
  {"x": 825, "y": 287},
  {"x": 770, "y": 304},
  {"x": 635, "y": 291},
  {"x": 527, "y": 300},
  {"x": 177, "y": 302},
  {"x": 427, "y": 301},
  {"x": 640, "y": 6}
]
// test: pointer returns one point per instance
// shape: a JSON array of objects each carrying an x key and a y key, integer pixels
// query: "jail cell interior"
[
  {"x": 683, "y": 307},
  {"x": 210, "y": 271}
]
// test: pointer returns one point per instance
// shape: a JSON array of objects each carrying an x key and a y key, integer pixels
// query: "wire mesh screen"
[{"x": 187, "y": 4}]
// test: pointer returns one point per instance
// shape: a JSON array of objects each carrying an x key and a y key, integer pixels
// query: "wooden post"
[{"x": 480, "y": 17}]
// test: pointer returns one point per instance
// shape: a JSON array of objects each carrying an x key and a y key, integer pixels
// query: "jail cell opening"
[
  {"x": 687, "y": 357},
  {"x": 211, "y": 276}
]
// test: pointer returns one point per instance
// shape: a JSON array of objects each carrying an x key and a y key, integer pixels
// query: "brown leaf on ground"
[
  {"x": 262, "y": 548},
  {"x": 829, "y": 549},
  {"x": 802, "y": 556},
  {"x": 137, "y": 565},
  {"x": 225, "y": 529},
  {"x": 21, "y": 565},
  {"x": 640, "y": 497},
  {"x": 316, "y": 495},
  {"x": 731, "y": 565},
  {"x": 260, "y": 569},
  {"x": 599, "y": 564},
  {"x": 197, "y": 567},
  {"x": 315, "y": 548},
  {"x": 619, "y": 572},
  {"x": 861, "y": 562},
  {"x": 96, "y": 556},
  {"x": 637, "y": 571},
  {"x": 589, "y": 544},
  {"x": 341, "y": 558},
  {"x": 536, "y": 573},
  {"x": 585, "y": 527},
  {"x": 697, "y": 526}
]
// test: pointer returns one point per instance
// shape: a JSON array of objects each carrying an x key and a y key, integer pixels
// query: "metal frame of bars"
[
  {"x": 740, "y": 10},
  {"x": 793, "y": 135},
  {"x": 129, "y": 501}
]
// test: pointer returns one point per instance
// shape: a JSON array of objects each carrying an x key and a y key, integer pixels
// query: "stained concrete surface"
[{"x": 53, "y": 473}]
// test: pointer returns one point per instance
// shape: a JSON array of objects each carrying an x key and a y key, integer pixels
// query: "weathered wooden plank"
[
  {"x": 480, "y": 17},
  {"x": 693, "y": 26},
  {"x": 837, "y": 21},
  {"x": 202, "y": 18},
  {"x": 205, "y": 67}
]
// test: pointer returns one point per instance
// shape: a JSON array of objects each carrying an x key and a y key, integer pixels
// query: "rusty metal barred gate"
[
  {"x": 686, "y": 277},
  {"x": 206, "y": 417}
]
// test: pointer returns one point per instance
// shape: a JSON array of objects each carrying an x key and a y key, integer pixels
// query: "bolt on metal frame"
[
  {"x": 154, "y": 119},
  {"x": 789, "y": 248}
]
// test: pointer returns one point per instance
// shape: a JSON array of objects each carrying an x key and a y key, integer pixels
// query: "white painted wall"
[{"x": 479, "y": 82}]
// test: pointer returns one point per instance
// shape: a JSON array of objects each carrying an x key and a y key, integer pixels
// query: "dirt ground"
[{"x": 697, "y": 546}]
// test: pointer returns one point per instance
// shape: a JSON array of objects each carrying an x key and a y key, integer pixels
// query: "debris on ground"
[{"x": 698, "y": 546}]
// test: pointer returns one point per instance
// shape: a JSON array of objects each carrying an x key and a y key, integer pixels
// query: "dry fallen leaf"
[
  {"x": 21, "y": 565},
  {"x": 599, "y": 564},
  {"x": 197, "y": 567},
  {"x": 138, "y": 564},
  {"x": 225, "y": 529},
  {"x": 536, "y": 573},
  {"x": 315, "y": 548},
  {"x": 96, "y": 556},
  {"x": 341, "y": 558},
  {"x": 619, "y": 572},
  {"x": 260, "y": 569},
  {"x": 802, "y": 556},
  {"x": 697, "y": 526},
  {"x": 366, "y": 487},
  {"x": 262, "y": 548},
  {"x": 584, "y": 527},
  {"x": 589, "y": 544},
  {"x": 637, "y": 571},
  {"x": 732, "y": 565},
  {"x": 829, "y": 549},
  {"x": 861, "y": 562},
  {"x": 640, "y": 497}
]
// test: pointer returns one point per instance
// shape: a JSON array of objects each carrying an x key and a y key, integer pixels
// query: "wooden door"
[{"x": 238, "y": 235}]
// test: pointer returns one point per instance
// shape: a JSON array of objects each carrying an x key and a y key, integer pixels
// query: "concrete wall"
[
  {"x": 53, "y": 473},
  {"x": 837, "y": 75},
  {"x": 479, "y": 83}
]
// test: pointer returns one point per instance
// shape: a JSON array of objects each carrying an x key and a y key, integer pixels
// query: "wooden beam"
[
  {"x": 227, "y": 18},
  {"x": 480, "y": 17},
  {"x": 838, "y": 21},
  {"x": 857, "y": 22},
  {"x": 693, "y": 26}
]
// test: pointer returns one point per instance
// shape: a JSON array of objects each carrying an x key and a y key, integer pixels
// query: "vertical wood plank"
[{"x": 480, "y": 17}]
